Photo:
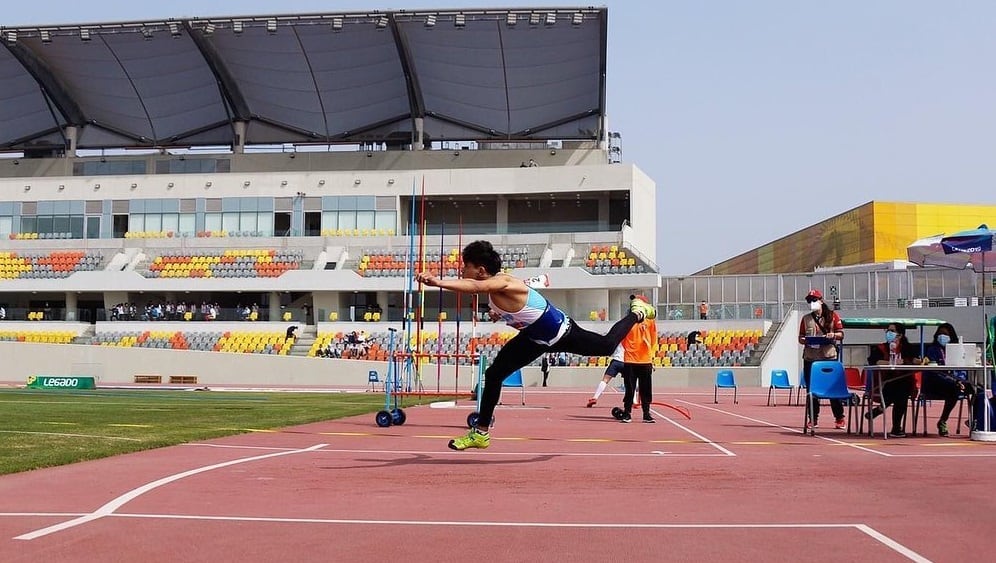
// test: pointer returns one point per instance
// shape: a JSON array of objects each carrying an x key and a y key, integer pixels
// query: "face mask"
[
  {"x": 815, "y": 305},
  {"x": 943, "y": 339},
  {"x": 890, "y": 336}
]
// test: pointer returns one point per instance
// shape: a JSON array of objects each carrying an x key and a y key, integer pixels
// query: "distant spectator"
[
  {"x": 703, "y": 310},
  {"x": 3, "y": 313},
  {"x": 694, "y": 337},
  {"x": 291, "y": 330},
  {"x": 533, "y": 163}
]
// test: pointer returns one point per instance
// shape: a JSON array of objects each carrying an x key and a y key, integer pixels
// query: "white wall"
[
  {"x": 118, "y": 366},
  {"x": 784, "y": 352}
]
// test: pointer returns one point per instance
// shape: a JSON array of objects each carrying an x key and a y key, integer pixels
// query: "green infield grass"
[{"x": 44, "y": 428}]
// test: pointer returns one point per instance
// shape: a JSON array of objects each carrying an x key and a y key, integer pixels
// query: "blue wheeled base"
[{"x": 391, "y": 414}]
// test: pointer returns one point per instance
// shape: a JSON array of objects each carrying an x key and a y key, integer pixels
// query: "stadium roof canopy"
[{"x": 514, "y": 74}]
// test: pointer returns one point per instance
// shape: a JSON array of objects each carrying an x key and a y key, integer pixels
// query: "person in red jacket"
[{"x": 638, "y": 366}]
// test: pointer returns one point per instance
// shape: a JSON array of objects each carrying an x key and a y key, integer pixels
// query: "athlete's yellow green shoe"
[
  {"x": 474, "y": 439},
  {"x": 642, "y": 307}
]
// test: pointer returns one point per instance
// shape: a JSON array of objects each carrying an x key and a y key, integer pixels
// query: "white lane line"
[
  {"x": 64, "y": 435},
  {"x": 892, "y": 544},
  {"x": 725, "y": 451},
  {"x": 475, "y": 453},
  {"x": 109, "y": 508},
  {"x": 864, "y": 528},
  {"x": 796, "y": 430}
]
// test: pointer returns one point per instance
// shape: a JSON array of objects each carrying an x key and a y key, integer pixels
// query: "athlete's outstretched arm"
[{"x": 494, "y": 284}]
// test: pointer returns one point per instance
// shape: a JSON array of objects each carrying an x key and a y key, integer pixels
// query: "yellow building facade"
[{"x": 878, "y": 231}]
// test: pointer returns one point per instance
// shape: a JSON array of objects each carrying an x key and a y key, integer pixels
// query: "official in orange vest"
[{"x": 638, "y": 366}]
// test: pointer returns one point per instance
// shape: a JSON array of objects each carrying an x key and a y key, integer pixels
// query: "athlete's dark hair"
[{"x": 481, "y": 253}]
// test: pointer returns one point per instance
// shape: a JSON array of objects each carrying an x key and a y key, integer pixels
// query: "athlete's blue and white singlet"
[{"x": 538, "y": 319}]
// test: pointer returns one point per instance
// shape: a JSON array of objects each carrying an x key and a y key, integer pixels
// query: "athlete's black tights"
[{"x": 520, "y": 351}]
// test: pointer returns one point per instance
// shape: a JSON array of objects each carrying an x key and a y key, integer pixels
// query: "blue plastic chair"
[
  {"x": 779, "y": 380},
  {"x": 515, "y": 380},
  {"x": 827, "y": 381},
  {"x": 724, "y": 380}
]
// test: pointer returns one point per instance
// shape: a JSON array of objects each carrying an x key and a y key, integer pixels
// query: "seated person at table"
[
  {"x": 946, "y": 385},
  {"x": 898, "y": 385}
]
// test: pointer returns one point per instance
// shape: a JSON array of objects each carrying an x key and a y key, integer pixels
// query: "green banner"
[{"x": 61, "y": 382}]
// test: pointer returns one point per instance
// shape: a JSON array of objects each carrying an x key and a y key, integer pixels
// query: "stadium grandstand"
[
  {"x": 240, "y": 200},
  {"x": 199, "y": 185}
]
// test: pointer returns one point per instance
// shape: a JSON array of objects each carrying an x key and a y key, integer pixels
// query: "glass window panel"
[
  {"x": 45, "y": 224},
  {"x": 364, "y": 220},
  {"x": 229, "y": 221},
  {"x": 347, "y": 203},
  {"x": 347, "y": 220},
  {"x": 136, "y": 222},
  {"x": 45, "y": 208},
  {"x": 60, "y": 224},
  {"x": 230, "y": 204},
  {"x": 248, "y": 221},
  {"x": 6, "y": 225},
  {"x": 188, "y": 223},
  {"x": 212, "y": 221},
  {"x": 171, "y": 222},
  {"x": 154, "y": 206},
  {"x": 28, "y": 224},
  {"x": 386, "y": 220},
  {"x": 76, "y": 226},
  {"x": 330, "y": 202},
  {"x": 265, "y": 225},
  {"x": 62, "y": 207},
  {"x": 93, "y": 227},
  {"x": 249, "y": 204},
  {"x": 171, "y": 205},
  {"x": 265, "y": 203},
  {"x": 136, "y": 206},
  {"x": 330, "y": 219},
  {"x": 366, "y": 203},
  {"x": 153, "y": 222}
]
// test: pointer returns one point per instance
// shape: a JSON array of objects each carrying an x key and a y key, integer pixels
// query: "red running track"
[{"x": 734, "y": 483}]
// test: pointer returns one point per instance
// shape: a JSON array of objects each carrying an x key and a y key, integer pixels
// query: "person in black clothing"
[
  {"x": 950, "y": 386},
  {"x": 291, "y": 330},
  {"x": 896, "y": 391},
  {"x": 545, "y": 367},
  {"x": 694, "y": 337}
]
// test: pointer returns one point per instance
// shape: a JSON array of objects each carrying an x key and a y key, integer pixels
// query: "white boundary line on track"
[
  {"x": 725, "y": 451},
  {"x": 109, "y": 508},
  {"x": 476, "y": 453},
  {"x": 863, "y": 528},
  {"x": 796, "y": 430}
]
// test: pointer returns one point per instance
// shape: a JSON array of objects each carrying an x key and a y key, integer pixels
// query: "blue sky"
[{"x": 755, "y": 118}]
